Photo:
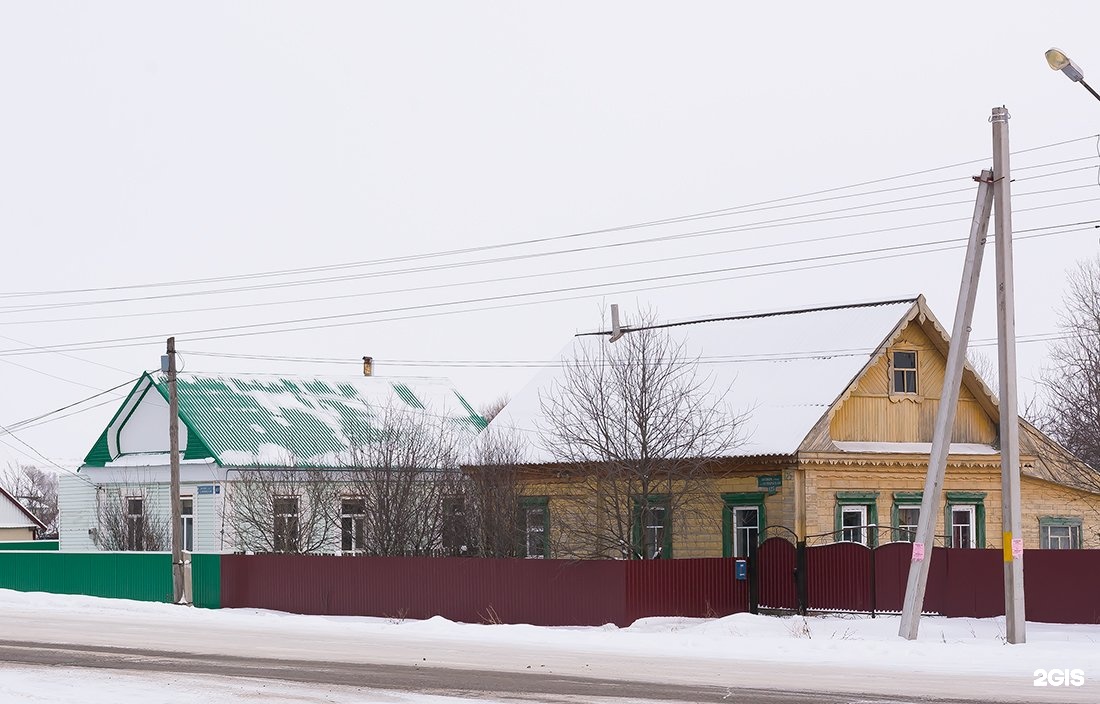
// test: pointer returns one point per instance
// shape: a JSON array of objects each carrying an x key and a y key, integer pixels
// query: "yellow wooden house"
[{"x": 839, "y": 403}]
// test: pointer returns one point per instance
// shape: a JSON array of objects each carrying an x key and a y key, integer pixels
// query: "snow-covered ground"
[{"x": 960, "y": 658}]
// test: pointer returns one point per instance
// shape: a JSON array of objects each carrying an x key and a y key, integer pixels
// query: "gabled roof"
[
  {"x": 263, "y": 420},
  {"x": 784, "y": 368},
  {"x": 13, "y": 514}
]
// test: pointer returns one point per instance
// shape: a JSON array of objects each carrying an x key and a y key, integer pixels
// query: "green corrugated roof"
[{"x": 254, "y": 420}]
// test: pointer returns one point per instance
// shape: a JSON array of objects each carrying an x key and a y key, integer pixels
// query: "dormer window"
[{"x": 905, "y": 372}]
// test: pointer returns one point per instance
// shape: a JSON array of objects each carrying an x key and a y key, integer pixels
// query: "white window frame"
[
  {"x": 907, "y": 533},
  {"x": 356, "y": 517},
  {"x": 135, "y": 541},
  {"x": 187, "y": 525},
  {"x": 533, "y": 528},
  {"x": 284, "y": 516},
  {"x": 972, "y": 512},
  {"x": 1070, "y": 540},
  {"x": 861, "y": 511},
  {"x": 741, "y": 538}
]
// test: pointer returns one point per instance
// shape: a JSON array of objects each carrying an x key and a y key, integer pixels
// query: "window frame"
[
  {"x": 731, "y": 503},
  {"x": 455, "y": 536},
  {"x": 962, "y": 499},
  {"x": 526, "y": 504},
  {"x": 135, "y": 524},
  {"x": 1076, "y": 537},
  {"x": 867, "y": 499},
  {"x": 359, "y": 518},
  {"x": 654, "y": 501},
  {"x": 915, "y": 369},
  {"x": 187, "y": 524},
  {"x": 904, "y": 500},
  {"x": 295, "y": 545}
]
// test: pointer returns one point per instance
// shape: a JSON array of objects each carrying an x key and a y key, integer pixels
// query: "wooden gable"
[{"x": 870, "y": 411}]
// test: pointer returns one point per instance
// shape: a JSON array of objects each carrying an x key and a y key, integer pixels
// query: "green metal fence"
[
  {"x": 206, "y": 580},
  {"x": 144, "y": 576},
  {"x": 35, "y": 545}
]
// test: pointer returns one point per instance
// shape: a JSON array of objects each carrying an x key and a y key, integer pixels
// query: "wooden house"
[
  {"x": 840, "y": 403},
  {"x": 17, "y": 523}
]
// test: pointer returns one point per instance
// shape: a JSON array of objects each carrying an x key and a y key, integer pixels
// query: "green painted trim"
[
  {"x": 636, "y": 528},
  {"x": 965, "y": 498},
  {"x": 1044, "y": 521},
  {"x": 197, "y": 448},
  {"x": 122, "y": 423},
  {"x": 730, "y": 502},
  {"x": 544, "y": 502},
  {"x": 100, "y": 454},
  {"x": 857, "y": 498},
  {"x": 476, "y": 419},
  {"x": 902, "y": 498}
]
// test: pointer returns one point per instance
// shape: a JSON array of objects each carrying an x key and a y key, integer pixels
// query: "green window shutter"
[
  {"x": 525, "y": 503},
  {"x": 654, "y": 501},
  {"x": 902, "y": 498},
  {"x": 965, "y": 498},
  {"x": 857, "y": 498}
]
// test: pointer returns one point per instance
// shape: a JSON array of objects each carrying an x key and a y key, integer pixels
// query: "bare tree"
[
  {"x": 1071, "y": 385},
  {"x": 490, "y": 410},
  {"x": 413, "y": 493},
  {"x": 642, "y": 430},
  {"x": 493, "y": 493},
  {"x": 127, "y": 520},
  {"x": 284, "y": 510},
  {"x": 36, "y": 489}
]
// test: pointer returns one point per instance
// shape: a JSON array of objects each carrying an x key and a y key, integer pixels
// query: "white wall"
[{"x": 146, "y": 430}]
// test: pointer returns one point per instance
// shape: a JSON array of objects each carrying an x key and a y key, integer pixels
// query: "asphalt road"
[{"x": 527, "y": 686}]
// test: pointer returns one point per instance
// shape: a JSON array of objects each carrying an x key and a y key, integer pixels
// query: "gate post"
[
  {"x": 801, "y": 585},
  {"x": 754, "y": 579},
  {"x": 874, "y": 590}
]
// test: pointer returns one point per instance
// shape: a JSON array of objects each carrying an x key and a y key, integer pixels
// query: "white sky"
[{"x": 144, "y": 142}]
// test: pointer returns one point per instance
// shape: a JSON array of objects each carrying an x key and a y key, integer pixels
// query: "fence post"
[
  {"x": 754, "y": 578},
  {"x": 874, "y": 584},
  {"x": 801, "y": 585}
]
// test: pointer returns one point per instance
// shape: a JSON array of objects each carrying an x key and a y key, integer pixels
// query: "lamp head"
[{"x": 1058, "y": 61}]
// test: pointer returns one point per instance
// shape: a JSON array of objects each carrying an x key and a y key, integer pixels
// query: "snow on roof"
[
  {"x": 783, "y": 368},
  {"x": 13, "y": 514},
  {"x": 244, "y": 420}
]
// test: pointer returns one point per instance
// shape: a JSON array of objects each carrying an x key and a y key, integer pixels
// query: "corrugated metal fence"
[{"x": 1061, "y": 585}]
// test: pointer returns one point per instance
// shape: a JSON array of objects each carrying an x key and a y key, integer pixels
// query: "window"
[
  {"x": 904, "y": 372},
  {"x": 286, "y": 524},
  {"x": 906, "y": 515},
  {"x": 964, "y": 519},
  {"x": 353, "y": 525},
  {"x": 743, "y": 523},
  {"x": 652, "y": 536},
  {"x": 535, "y": 520},
  {"x": 856, "y": 517},
  {"x": 1057, "y": 533},
  {"x": 456, "y": 533},
  {"x": 135, "y": 523},
  {"x": 187, "y": 523},
  {"x": 963, "y": 528},
  {"x": 853, "y": 522}
]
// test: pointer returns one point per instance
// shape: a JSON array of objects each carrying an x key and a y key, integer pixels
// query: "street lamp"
[{"x": 1058, "y": 61}]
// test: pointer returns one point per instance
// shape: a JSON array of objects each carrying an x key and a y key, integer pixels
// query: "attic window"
[{"x": 905, "y": 372}]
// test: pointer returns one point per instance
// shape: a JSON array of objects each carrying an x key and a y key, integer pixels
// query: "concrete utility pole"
[
  {"x": 174, "y": 454},
  {"x": 1011, "y": 520},
  {"x": 945, "y": 415}
]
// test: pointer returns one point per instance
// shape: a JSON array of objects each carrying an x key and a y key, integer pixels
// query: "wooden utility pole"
[
  {"x": 174, "y": 458},
  {"x": 1011, "y": 520},
  {"x": 945, "y": 415}
]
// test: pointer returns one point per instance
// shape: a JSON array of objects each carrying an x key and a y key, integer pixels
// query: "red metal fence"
[
  {"x": 1060, "y": 586},
  {"x": 479, "y": 590}
]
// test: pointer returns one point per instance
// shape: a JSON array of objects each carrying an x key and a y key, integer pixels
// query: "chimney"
[{"x": 368, "y": 366}]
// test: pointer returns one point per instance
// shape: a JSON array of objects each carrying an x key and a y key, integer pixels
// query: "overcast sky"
[{"x": 145, "y": 143}]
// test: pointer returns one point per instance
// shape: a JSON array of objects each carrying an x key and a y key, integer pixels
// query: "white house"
[
  {"x": 16, "y": 521},
  {"x": 230, "y": 424}
]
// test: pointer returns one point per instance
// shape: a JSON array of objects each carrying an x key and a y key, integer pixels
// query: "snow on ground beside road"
[
  {"x": 72, "y": 685},
  {"x": 953, "y": 657},
  {"x": 967, "y": 645}
]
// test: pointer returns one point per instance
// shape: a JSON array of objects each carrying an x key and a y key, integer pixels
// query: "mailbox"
[{"x": 741, "y": 569}]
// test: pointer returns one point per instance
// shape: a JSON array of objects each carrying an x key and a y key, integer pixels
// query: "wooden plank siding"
[{"x": 871, "y": 413}]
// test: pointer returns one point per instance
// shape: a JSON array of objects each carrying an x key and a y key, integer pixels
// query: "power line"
[
  {"x": 206, "y": 334},
  {"x": 18, "y": 425},
  {"x": 735, "y": 210}
]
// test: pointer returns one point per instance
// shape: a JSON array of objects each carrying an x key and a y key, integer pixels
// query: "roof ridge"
[{"x": 763, "y": 314}]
